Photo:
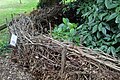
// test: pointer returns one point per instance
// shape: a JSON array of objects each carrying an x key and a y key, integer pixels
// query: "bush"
[
  {"x": 66, "y": 31},
  {"x": 101, "y": 28},
  {"x": 101, "y": 25}
]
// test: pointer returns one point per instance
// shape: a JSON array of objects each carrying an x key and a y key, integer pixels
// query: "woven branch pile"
[{"x": 49, "y": 59}]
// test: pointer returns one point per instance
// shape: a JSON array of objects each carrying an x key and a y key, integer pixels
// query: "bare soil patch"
[{"x": 10, "y": 71}]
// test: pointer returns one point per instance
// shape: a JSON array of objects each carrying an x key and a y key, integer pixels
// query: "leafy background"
[{"x": 98, "y": 27}]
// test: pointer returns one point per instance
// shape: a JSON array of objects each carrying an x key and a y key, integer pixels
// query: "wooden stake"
[
  {"x": 20, "y": 1},
  {"x": 12, "y": 16},
  {"x": 50, "y": 29},
  {"x": 6, "y": 20},
  {"x": 63, "y": 60}
]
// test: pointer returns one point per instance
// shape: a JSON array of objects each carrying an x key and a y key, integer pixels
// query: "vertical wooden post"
[
  {"x": 12, "y": 16},
  {"x": 20, "y": 1},
  {"x": 50, "y": 29},
  {"x": 64, "y": 1},
  {"x": 6, "y": 20},
  {"x": 63, "y": 60},
  {"x": 81, "y": 39}
]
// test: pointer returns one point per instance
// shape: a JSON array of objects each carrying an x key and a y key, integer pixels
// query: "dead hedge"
[{"x": 49, "y": 59}]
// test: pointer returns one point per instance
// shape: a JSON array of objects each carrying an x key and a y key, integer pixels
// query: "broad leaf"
[
  {"x": 94, "y": 29},
  {"x": 117, "y": 20},
  {"x": 113, "y": 50},
  {"x": 103, "y": 47},
  {"x": 117, "y": 9},
  {"x": 107, "y": 38},
  {"x": 84, "y": 37},
  {"x": 118, "y": 49},
  {"x": 101, "y": 16},
  {"x": 90, "y": 38},
  {"x": 80, "y": 27},
  {"x": 61, "y": 25},
  {"x": 65, "y": 20},
  {"x": 114, "y": 42},
  {"x": 112, "y": 16},
  {"x": 70, "y": 25},
  {"x": 95, "y": 14},
  {"x": 118, "y": 35},
  {"x": 93, "y": 43},
  {"x": 109, "y": 4},
  {"x": 100, "y": 27},
  {"x": 98, "y": 35},
  {"x": 72, "y": 31},
  {"x": 104, "y": 30},
  {"x": 106, "y": 25},
  {"x": 99, "y": 1},
  {"x": 109, "y": 50},
  {"x": 106, "y": 43},
  {"x": 119, "y": 26},
  {"x": 59, "y": 29},
  {"x": 86, "y": 14},
  {"x": 90, "y": 18}
]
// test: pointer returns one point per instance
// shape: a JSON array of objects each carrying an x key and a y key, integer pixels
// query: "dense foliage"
[
  {"x": 100, "y": 26},
  {"x": 67, "y": 31}
]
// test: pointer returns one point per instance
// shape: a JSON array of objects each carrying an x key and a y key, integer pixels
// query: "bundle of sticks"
[{"x": 48, "y": 59}]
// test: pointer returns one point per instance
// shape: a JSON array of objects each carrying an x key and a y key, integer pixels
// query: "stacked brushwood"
[{"x": 49, "y": 59}]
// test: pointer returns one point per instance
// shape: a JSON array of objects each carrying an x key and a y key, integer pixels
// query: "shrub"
[
  {"x": 100, "y": 27},
  {"x": 66, "y": 31}
]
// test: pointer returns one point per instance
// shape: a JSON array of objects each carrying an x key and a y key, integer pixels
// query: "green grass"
[
  {"x": 67, "y": 1},
  {"x": 4, "y": 40},
  {"x": 8, "y": 7}
]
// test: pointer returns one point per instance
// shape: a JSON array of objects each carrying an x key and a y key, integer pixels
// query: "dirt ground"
[{"x": 10, "y": 71}]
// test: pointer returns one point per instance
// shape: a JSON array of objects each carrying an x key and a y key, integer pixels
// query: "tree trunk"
[{"x": 20, "y": 1}]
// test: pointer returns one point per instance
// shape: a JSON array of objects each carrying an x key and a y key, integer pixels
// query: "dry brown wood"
[{"x": 63, "y": 60}]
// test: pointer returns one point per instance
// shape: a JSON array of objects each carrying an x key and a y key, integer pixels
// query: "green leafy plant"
[
  {"x": 67, "y": 31},
  {"x": 101, "y": 28}
]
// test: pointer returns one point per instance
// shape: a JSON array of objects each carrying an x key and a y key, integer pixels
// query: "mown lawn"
[{"x": 8, "y": 7}]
